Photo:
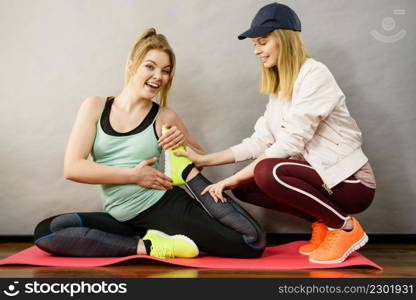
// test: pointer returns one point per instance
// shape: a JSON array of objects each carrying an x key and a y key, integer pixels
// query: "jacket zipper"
[{"x": 327, "y": 189}]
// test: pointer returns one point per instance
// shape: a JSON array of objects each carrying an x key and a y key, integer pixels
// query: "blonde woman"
[
  {"x": 144, "y": 213},
  {"x": 306, "y": 147}
]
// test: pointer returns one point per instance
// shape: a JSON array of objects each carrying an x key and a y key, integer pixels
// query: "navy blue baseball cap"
[{"x": 270, "y": 17}]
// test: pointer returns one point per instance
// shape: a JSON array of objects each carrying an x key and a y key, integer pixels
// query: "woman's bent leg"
[
  {"x": 297, "y": 184},
  {"x": 249, "y": 192},
  {"x": 178, "y": 213},
  {"x": 229, "y": 213},
  {"x": 86, "y": 234}
]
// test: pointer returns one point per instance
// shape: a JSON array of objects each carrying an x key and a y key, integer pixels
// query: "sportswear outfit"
[
  {"x": 130, "y": 209},
  {"x": 315, "y": 166}
]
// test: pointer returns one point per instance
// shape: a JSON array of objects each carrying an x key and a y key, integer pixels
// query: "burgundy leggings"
[{"x": 294, "y": 187}]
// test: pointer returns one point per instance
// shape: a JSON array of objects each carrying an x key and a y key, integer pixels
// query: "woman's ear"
[{"x": 129, "y": 65}]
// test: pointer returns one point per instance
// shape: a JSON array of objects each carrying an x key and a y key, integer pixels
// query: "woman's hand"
[
  {"x": 172, "y": 138},
  {"x": 192, "y": 155},
  {"x": 217, "y": 189},
  {"x": 151, "y": 178}
]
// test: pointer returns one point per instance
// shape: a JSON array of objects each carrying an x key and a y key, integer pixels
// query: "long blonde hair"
[
  {"x": 292, "y": 55},
  {"x": 150, "y": 40}
]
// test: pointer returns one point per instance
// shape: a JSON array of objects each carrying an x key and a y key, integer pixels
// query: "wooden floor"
[{"x": 397, "y": 260}]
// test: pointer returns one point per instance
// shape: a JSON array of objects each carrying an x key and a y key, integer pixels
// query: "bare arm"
[
  {"x": 77, "y": 167},
  {"x": 212, "y": 159},
  {"x": 217, "y": 158},
  {"x": 233, "y": 181},
  {"x": 248, "y": 171},
  {"x": 194, "y": 150},
  {"x": 178, "y": 135}
]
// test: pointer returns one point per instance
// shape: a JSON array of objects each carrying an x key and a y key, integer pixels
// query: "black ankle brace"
[{"x": 187, "y": 170}]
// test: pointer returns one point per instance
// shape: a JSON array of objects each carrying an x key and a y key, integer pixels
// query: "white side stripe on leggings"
[
  {"x": 352, "y": 181},
  {"x": 303, "y": 192}
]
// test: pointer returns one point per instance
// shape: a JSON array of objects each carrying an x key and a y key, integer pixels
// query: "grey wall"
[{"x": 53, "y": 54}]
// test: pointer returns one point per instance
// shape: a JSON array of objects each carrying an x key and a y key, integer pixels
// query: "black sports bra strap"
[{"x": 108, "y": 129}]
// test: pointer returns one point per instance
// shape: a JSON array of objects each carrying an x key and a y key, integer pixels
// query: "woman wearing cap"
[{"x": 306, "y": 147}]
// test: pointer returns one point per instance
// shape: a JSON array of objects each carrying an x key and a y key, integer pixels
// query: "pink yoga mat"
[{"x": 282, "y": 257}]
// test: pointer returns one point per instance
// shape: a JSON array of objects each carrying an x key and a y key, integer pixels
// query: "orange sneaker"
[
  {"x": 319, "y": 231},
  {"x": 339, "y": 244}
]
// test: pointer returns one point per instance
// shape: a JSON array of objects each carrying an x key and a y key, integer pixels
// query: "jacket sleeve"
[
  {"x": 315, "y": 99},
  {"x": 260, "y": 140}
]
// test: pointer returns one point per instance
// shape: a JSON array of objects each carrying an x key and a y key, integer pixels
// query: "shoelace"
[
  {"x": 315, "y": 229},
  {"x": 330, "y": 239},
  {"x": 163, "y": 251}
]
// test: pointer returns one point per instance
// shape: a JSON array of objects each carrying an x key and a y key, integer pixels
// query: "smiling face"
[
  {"x": 267, "y": 49},
  {"x": 153, "y": 74}
]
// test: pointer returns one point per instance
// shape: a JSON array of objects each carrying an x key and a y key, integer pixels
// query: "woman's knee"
[
  {"x": 263, "y": 173},
  {"x": 228, "y": 243},
  {"x": 42, "y": 228},
  {"x": 43, "y": 233},
  {"x": 356, "y": 205},
  {"x": 249, "y": 250},
  {"x": 63, "y": 242},
  {"x": 243, "y": 249},
  {"x": 56, "y": 223}
]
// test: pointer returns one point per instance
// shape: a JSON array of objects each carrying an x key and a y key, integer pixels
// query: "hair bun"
[{"x": 147, "y": 33}]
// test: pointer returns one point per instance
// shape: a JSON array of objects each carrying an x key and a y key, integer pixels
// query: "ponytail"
[{"x": 147, "y": 33}]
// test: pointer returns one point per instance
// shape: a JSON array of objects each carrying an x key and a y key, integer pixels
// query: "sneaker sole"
[
  {"x": 179, "y": 236},
  {"x": 354, "y": 247},
  {"x": 304, "y": 253},
  {"x": 168, "y": 170}
]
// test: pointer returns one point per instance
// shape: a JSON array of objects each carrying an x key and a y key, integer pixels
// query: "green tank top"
[{"x": 111, "y": 148}]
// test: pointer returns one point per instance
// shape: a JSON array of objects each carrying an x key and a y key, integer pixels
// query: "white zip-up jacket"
[{"x": 314, "y": 124}]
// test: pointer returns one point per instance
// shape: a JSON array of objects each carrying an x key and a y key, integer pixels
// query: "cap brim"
[{"x": 255, "y": 32}]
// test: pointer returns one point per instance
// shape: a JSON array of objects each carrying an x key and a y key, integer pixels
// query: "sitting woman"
[{"x": 144, "y": 213}]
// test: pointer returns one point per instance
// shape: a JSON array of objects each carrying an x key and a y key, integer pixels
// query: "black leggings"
[{"x": 99, "y": 234}]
